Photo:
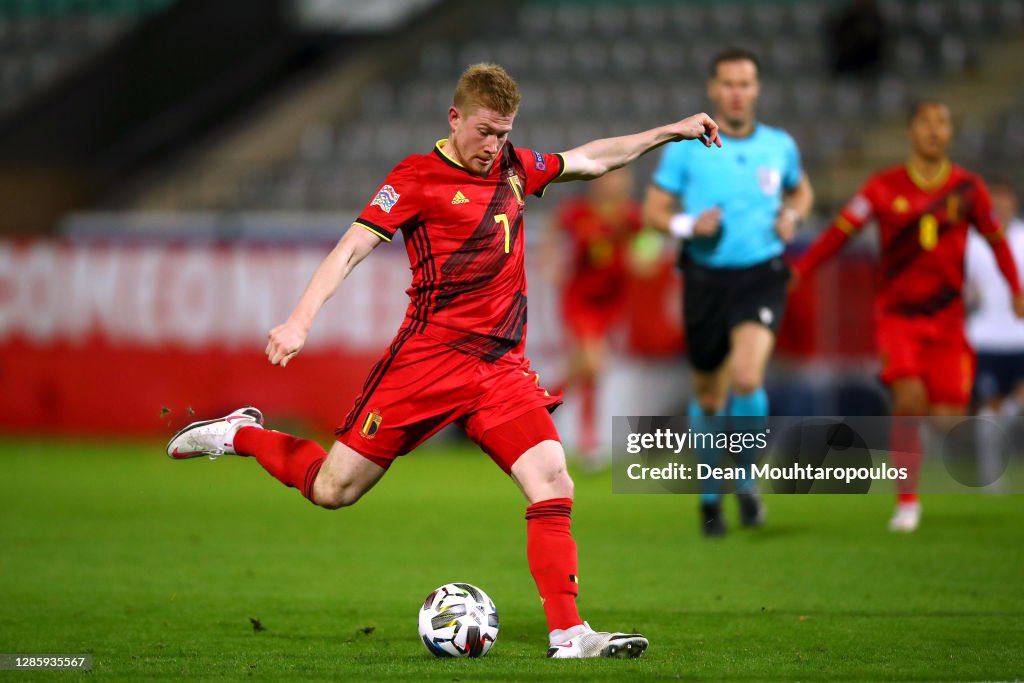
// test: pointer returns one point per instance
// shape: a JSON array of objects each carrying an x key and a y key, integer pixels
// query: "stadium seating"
[
  {"x": 997, "y": 150},
  {"x": 614, "y": 66},
  {"x": 42, "y": 39}
]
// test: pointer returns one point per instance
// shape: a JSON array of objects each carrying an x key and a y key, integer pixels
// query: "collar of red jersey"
[
  {"x": 451, "y": 161},
  {"x": 439, "y": 148},
  {"x": 927, "y": 184}
]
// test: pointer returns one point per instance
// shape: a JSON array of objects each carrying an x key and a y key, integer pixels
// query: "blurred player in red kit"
[
  {"x": 458, "y": 356},
  {"x": 923, "y": 209},
  {"x": 601, "y": 226}
]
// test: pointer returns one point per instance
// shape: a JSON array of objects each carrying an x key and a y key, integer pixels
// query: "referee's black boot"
[
  {"x": 751, "y": 509},
  {"x": 712, "y": 521}
]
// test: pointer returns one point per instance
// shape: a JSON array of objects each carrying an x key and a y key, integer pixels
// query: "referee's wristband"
[{"x": 681, "y": 225}]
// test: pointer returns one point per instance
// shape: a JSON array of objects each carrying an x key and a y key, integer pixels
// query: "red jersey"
[
  {"x": 463, "y": 234},
  {"x": 922, "y": 235},
  {"x": 600, "y": 245}
]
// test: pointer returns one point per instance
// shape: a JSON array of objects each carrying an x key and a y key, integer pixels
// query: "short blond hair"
[{"x": 486, "y": 85}]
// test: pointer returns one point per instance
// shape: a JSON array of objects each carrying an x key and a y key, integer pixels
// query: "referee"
[{"x": 734, "y": 211}]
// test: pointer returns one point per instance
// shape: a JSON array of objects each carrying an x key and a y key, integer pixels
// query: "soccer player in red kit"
[
  {"x": 458, "y": 356},
  {"x": 601, "y": 225},
  {"x": 923, "y": 209}
]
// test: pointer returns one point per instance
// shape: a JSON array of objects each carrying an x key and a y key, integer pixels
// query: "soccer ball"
[{"x": 458, "y": 620}]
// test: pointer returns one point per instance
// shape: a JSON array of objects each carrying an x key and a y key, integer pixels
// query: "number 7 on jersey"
[{"x": 503, "y": 219}]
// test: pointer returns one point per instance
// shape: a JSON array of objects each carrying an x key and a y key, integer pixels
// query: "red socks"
[
  {"x": 551, "y": 553},
  {"x": 292, "y": 461},
  {"x": 905, "y": 447}
]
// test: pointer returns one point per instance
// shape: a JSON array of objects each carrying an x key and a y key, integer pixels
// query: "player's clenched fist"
[
  {"x": 283, "y": 343},
  {"x": 786, "y": 224},
  {"x": 708, "y": 222}
]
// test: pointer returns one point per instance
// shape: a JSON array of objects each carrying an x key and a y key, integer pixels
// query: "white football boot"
[
  {"x": 582, "y": 641},
  {"x": 212, "y": 438},
  {"x": 906, "y": 518}
]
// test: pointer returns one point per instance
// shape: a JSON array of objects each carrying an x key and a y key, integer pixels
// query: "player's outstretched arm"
[
  {"x": 851, "y": 219},
  {"x": 828, "y": 244},
  {"x": 287, "y": 339},
  {"x": 598, "y": 157}
]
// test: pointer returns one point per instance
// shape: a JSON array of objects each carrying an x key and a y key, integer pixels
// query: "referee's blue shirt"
[{"x": 746, "y": 178}]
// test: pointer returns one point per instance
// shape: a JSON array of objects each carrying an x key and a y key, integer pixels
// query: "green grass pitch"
[{"x": 156, "y": 567}]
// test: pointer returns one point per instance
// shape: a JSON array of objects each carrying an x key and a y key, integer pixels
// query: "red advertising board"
[
  {"x": 107, "y": 337},
  {"x": 102, "y": 337}
]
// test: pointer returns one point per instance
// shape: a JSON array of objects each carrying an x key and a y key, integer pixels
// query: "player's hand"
[
  {"x": 284, "y": 342},
  {"x": 698, "y": 127},
  {"x": 1018, "y": 306},
  {"x": 708, "y": 222},
  {"x": 786, "y": 224}
]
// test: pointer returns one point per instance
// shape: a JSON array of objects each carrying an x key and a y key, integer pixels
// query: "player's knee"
[
  {"x": 910, "y": 403},
  {"x": 943, "y": 424},
  {"x": 909, "y": 407},
  {"x": 746, "y": 382},
  {"x": 556, "y": 480},
  {"x": 909, "y": 397},
  {"x": 559, "y": 487},
  {"x": 746, "y": 375},
  {"x": 542, "y": 475},
  {"x": 333, "y": 497},
  {"x": 563, "y": 485},
  {"x": 709, "y": 406},
  {"x": 594, "y": 358}
]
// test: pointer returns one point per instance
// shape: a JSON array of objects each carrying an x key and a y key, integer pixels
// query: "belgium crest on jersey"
[
  {"x": 953, "y": 207},
  {"x": 371, "y": 424},
  {"x": 517, "y": 187}
]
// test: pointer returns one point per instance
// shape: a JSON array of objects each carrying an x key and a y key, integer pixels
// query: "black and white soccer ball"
[{"x": 458, "y": 620}]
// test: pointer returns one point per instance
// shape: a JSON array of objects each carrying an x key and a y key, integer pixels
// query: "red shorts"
[
  {"x": 420, "y": 386},
  {"x": 937, "y": 353}
]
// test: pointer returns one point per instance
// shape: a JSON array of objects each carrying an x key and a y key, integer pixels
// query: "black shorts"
[
  {"x": 716, "y": 300},
  {"x": 998, "y": 374}
]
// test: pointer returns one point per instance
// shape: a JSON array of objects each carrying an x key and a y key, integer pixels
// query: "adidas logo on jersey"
[{"x": 460, "y": 198}]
